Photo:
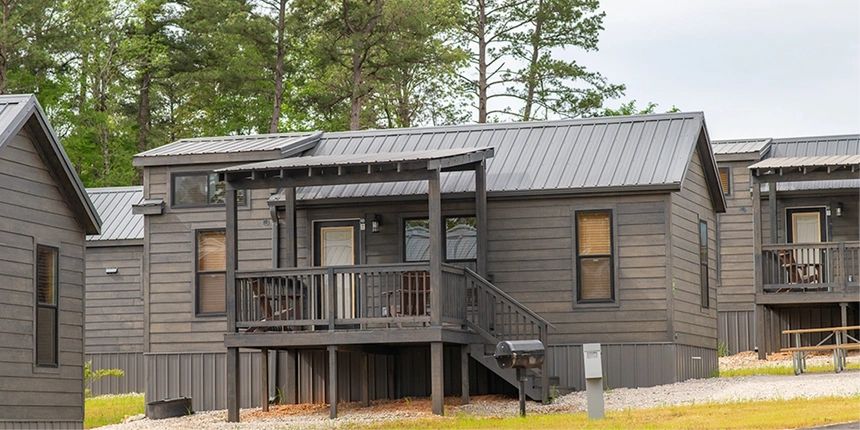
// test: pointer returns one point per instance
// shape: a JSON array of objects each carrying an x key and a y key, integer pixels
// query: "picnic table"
[{"x": 839, "y": 346}]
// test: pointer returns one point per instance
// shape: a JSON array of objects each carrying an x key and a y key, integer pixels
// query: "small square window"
[
  {"x": 200, "y": 189},
  {"x": 461, "y": 240}
]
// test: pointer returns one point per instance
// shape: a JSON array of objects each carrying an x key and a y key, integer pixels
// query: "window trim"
[
  {"x": 197, "y": 274},
  {"x": 726, "y": 192},
  {"x": 405, "y": 219},
  {"x": 55, "y": 306},
  {"x": 704, "y": 263},
  {"x": 207, "y": 175},
  {"x": 577, "y": 292}
]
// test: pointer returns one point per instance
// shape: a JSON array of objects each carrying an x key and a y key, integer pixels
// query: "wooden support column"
[
  {"x": 291, "y": 394},
  {"x": 290, "y": 224},
  {"x": 760, "y": 340},
  {"x": 365, "y": 380},
  {"x": 233, "y": 382},
  {"x": 481, "y": 216},
  {"x": 437, "y": 384},
  {"x": 544, "y": 368},
  {"x": 233, "y": 372},
  {"x": 774, "y": 221},
  {"x": 435, "y": 218},
  {"x": 464, "y": 373},
  {"x": 843, "y": 307},
  {"x": 332, "y": 381},
  {"x": 264, "y": 379}
]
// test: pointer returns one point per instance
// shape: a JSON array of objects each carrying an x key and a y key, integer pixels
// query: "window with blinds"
[
  {"x": 703, "y": 261},
  {"x": 724, "y": 180},
  {"x": 211, "y": 272},
  {"x": 594, "y": 259},
  {"x": 47, "y": 315}
]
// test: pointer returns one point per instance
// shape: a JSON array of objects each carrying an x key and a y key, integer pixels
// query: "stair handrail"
[{"x": 489, "y": 285}]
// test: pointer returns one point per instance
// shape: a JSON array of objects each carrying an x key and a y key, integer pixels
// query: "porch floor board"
[{"x": 320, "y": 338}]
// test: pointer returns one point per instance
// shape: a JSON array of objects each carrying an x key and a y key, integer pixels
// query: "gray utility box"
[
  {"x": 520, "y": 354},
  {"x": 593, "y": 360}
]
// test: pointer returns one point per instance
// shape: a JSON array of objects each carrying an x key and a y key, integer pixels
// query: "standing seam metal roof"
[
  {"x": 114, "y": 206},
  {"x": 817, "y": 146},
  {"x": 230, "y": 144},
  {"x": 740, "y": 146},
  {"x": 633, "y": 151}
]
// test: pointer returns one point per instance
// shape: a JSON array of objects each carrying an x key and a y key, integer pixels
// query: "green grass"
[
  {"x": 782, "y": 370},
  {"x": 774, "y": 414},
  {"x": 104, "y": 410}
]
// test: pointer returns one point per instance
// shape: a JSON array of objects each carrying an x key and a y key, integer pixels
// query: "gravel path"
[{"x": 758, "y": 387}]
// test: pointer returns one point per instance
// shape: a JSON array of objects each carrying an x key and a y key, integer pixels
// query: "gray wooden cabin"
[
  {"x": 113, "y": 328},
  {"x": 795, "y": 265},
  {"x": 529, "y": 191},
  {"x": 44, "y": 216}
]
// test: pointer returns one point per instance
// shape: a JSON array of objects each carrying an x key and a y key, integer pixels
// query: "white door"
[{"x": 337, "y": 246}]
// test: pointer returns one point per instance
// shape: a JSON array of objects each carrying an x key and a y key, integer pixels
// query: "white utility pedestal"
[{"x": 593, "y": 380}]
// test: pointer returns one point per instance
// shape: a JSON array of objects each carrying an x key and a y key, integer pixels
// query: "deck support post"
[
  {"x": 435, "y": 219},
  {"x": 264, "y": 379},
  {"x": 233, "y": 382},
  {"x": 771, "y": 203},
  {"x": 843, "y": 307},
  {"x": 481, "y": 217},
  {"x": 290, "y": 224},
  {"x": 332, "y": 381},
  {"x": 464, "y": 373},
  {"x": 437, "y": 385},
  {"x": 757, "y": 266},
  {"x": 291, "y": 386},
  {"x": 365, "y": 380}
]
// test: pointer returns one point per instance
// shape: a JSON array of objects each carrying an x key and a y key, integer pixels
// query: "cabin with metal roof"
[
  {"x": 113, "y": 327},
  {"x": 792, "y": 264},
  {"x": 45, "y": 215},
  {"x": 301, "y": 271}
]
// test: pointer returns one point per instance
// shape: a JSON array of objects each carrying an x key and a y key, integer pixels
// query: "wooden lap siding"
[
  {"x": 692, "y": 324},
  {"x": 33, "y": 211},
  {"x": 114, "y": 316}
]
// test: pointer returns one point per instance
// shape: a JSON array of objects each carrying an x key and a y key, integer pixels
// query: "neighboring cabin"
[
  {"x": 44, "y": 217},
  {"x": 114, "y": 291},
  {"x": 809, "y": 241},
  {"x": 604, "y": 228}
]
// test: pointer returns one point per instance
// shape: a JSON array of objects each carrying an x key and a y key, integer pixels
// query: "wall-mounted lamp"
[
  {"x": 375, "y": 223},
  {"x": 111, "y": 271},
  {"x": 839, "y": 209}
]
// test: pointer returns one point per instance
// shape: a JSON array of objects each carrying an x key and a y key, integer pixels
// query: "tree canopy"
[{"x": 117, "y": 77}]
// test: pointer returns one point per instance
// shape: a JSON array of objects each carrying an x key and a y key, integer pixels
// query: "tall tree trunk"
[
  {"x": 531, "y": 79},
  {"x": 4, "y": 50},
  {"x": 482, "y": 61},
  {"x": 355, "y": 98},
  {"x": 143, "y": 122},
  {"x": 279, "y": 70}
]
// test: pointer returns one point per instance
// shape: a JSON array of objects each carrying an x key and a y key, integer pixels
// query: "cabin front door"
[
  {"x": 336, "y": 243},
  {"x": 807, "y": 225}
]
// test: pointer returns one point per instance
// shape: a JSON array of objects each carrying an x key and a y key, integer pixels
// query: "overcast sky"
[{"x": 757, "y": 68}]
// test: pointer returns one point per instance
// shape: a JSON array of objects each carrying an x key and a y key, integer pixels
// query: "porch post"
[
  {"x": 437, "y": 385},
  {"x": 464, "y": 373},
  {"x": 233, "y": 371},
  {"x": 365, "y": 380},
  {"x": 481, "y": 216},
  {"x": 290, "y": 369},
  {"x": 264, "y": 379},
  {"x": 290, "y": 224},
  {"x": 774, "y": 221},
  {"x": 757, "y": 269},
  {"x": 435, "y": 219},
  {"x": 332, "y": 381}
]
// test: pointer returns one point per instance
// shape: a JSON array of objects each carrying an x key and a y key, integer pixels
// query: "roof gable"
[{"x": 19, "y": 112}]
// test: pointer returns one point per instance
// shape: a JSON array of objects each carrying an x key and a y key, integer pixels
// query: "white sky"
[{"x": 757, "y": 68}]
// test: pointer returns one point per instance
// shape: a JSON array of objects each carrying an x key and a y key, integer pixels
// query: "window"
[
  {"x": 594, "y": 259},
  {"x": 461, "y": 240},
  {"x": 200, "y": 189},
  {"x": 703, "y": 261},
  {"x": 47, "y": 280},
  {"x": 211, "y": 272},
  {"x": 725, "y": 174}
]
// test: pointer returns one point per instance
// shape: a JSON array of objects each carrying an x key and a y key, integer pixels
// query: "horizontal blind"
[
  {"x": 724, "y": 180},
  {"x": 594, "y": 233},
  {"x": 46, "y": 268},
  {"x": 211, "y": 293},
  {"x": 211, "y": 250}
]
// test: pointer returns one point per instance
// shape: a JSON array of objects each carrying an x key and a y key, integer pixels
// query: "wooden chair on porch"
[
  {"x": 798, "y": 273},
  {"x": 277, "y": 303},
  {"x": 413, "y": 296}
]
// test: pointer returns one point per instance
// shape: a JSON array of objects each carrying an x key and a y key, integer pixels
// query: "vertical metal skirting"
[
  {"x": 131, "y": 363},
  {"x": 737, "y": 330}
]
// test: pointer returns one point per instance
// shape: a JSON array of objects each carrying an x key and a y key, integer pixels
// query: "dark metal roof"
[
  {"x": 115, "y": 208},
  {"x": 18, "y": 110},
  {"x": 741, "y": 146},
  {"x": 815, "y": 146},
  {"x": 263, "y": 146},
  {"x": 649, "y": 151}
]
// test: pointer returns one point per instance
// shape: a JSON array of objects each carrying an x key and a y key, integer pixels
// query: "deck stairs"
[{"x": 496, "y": 316}]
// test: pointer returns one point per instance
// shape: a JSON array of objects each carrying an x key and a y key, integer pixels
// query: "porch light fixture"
[
  {"x": 375, "y": 223},
  {"x": 839, "y": 209}
]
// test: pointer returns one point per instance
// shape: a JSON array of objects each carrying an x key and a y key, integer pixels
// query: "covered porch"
[
  {"x": 365, "y": 306},
  {"x": 801, "y": 264}
]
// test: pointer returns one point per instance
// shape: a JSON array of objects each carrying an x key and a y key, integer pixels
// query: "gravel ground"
[{"x": 758, "y": 387}]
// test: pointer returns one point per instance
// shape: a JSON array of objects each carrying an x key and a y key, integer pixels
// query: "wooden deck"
[{"x": 826, "y": 272}]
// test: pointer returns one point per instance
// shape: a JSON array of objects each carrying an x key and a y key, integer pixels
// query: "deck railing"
[
  {"x": 811, "y": 267},
  {"x": 378, "y": 296}
]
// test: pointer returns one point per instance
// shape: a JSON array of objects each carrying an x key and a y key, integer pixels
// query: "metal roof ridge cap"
[
  {"x": 115, "y": 189},
  {"x": 799, "y": 139},
  {"x": 303, "y": 143}
]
